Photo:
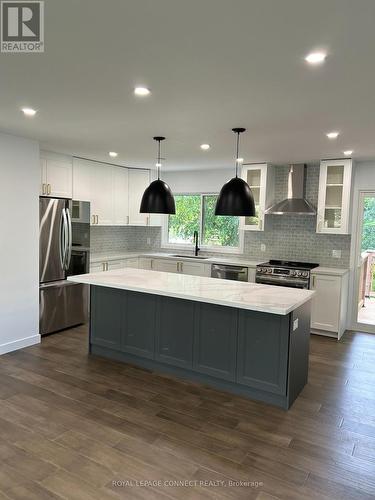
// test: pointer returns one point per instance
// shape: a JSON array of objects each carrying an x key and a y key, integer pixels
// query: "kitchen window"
[{"x": 196, "y": 212}]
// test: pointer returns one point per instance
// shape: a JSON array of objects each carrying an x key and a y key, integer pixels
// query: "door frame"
[{"x": 362, "y": 327}]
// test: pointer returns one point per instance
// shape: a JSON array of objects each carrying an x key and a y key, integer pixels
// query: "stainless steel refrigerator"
[{"x": 64, "y": 250}]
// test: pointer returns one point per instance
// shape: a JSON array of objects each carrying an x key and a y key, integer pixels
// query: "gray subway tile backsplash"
[{"x": 290, "y": 237}]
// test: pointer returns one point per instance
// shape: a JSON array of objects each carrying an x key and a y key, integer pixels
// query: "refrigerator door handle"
[
  {"x": 62, "y": 239},
  {"x": 65, "y": 241},
  {"x": 69, "y": 239}
]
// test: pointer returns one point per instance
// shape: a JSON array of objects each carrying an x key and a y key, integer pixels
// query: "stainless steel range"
[{"x": 284, "y": 273}]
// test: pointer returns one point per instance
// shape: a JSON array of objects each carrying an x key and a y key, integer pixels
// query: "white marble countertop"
[
  {"x": 255, "y": 297},
  {"x": 104, "y": 257}
]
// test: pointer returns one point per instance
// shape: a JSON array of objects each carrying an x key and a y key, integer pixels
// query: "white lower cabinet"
[
  {"x": 97, "y": 267},
  {"x": 175, "y": 266},
  {"x": 145, "y": 263},
  {"x": 329, "y": 304},
  {"x": 169, "y": 266},
  {"x": 193, "y": 268},
  {"x": 133, "y": 262},
  {"x": 115, "y": 264}
]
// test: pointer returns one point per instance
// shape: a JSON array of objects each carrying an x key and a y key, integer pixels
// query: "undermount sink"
[{"x": 189, "y": 256}]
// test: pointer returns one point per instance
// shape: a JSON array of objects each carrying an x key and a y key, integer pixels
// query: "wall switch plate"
[
  {"x": 148, "y": 241},
  {"x": 295, "y": 324},
  {"x": 336, "y": 254},
  {"x": 262, "y": 247}
]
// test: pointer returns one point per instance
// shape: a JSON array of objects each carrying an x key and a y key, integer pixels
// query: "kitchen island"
[{"x": 245, "y": 338}]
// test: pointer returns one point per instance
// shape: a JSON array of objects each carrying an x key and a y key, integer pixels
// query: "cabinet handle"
[
  {"x": 148, "y": 220},
  {"x": 152, "y": 264},
  {"x": 181, "y": 267},
  {"x": 127, "y": 219},
  {"x": 106, "y": 266},
  {"x": 48, "y": 188},
  {"x": 313, "y": 282},
  {"x": 103, "y": 266},
  {"x": 93, "y": 219},
  {"x": 43, "y": 189},
  {"x": 97, "y": 219}
]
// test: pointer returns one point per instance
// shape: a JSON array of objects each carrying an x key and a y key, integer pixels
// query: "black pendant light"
[
  {"x": 235, "y": 197},
  {"x": 158, "y": 197}
]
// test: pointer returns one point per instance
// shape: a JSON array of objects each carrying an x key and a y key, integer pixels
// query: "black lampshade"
[
  {"x": 235, "y": 198},
  {"x": 158, "y": 199}
]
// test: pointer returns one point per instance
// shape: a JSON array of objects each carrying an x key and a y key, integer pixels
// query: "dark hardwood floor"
[{"x": 72, "y": 424}]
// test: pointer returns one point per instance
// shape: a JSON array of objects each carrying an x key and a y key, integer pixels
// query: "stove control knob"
[
  {"x": 292, "y": 273},
  {"x": 299, "y": 273},
  {"x": 305, "y": 274},
  {"x": 269, "y": 270}
]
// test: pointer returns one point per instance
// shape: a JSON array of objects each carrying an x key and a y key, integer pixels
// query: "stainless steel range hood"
[{"x": 296, "y": 202}]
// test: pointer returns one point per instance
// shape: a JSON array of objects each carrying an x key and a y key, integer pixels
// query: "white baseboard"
[{"x": 19, "y": 344}]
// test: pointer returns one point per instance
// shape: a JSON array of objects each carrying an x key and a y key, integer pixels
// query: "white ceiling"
[{"x": 212, "y": 65}]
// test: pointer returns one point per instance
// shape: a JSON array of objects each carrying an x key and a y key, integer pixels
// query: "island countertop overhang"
[{"x": 250, "y": 296}]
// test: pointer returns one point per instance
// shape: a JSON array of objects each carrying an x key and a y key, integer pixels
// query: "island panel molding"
[{"x": 255, "y": 354}]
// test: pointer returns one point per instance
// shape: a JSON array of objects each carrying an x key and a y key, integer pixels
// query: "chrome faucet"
[{"x": 195, "y": 239}]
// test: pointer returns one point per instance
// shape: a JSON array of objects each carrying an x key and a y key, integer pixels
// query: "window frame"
[{"x": 205, "y": 248}]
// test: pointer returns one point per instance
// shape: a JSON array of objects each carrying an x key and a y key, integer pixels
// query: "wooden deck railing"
[{"x": 366, "y": 277}]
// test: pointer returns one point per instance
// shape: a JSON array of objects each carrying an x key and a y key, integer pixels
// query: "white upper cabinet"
[
  {"x": 82, "y": 179},
  {"x": 101, "y": 187},
  {"x": 115, "y": 192},
  {"x": 260, "y": 178},
  {"x": 56, "y": 175},
  {"x": 334, "y": 196},
  {"x": 138, "y": 182},
  {"x": 120, "y": 179}
]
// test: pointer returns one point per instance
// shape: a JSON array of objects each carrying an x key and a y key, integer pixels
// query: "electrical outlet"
[
  {"x": 148, "y": 241},
  {"x": 336, "y": 254},
  {"x": 262, "y": 247}
]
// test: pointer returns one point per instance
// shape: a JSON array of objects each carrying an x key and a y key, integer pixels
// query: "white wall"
[
  {"x": 197, "y": 181},
  {"x": 364, "y": 180},
  {"x": 19, "y": 247}
]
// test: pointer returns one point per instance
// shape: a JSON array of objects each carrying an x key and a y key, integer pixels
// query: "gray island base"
[{"x": 258, "y": 355}]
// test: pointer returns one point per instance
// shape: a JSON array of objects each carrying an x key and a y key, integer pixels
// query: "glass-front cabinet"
[
  {"x": 334, "y": 196},
  {"x": 260, "y": 177}
]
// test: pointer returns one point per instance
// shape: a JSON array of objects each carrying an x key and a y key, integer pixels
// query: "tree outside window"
[{"x": 195, "y": 212}]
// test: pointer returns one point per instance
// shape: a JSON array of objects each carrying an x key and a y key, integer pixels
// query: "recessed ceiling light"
[
  {"x": 205, "y": 147},
  {"x": 28, "y": 111},
  {"x": 332, "y": 135},
  {"x": 315, "y": 57},
  {"x": 348, "y": 152},
  {"x": 113, "y": 154},
  {"x": 239, "y": 160},
  {"x": 143, "y": 91}
]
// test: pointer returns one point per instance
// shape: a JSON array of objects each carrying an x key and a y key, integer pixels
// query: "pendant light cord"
[
  {"x": 237, "y": 150},
  {"x": 158, "y": 167}
]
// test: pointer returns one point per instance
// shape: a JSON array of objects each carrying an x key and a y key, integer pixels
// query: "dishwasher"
[{"x": 225, "y": 272}]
